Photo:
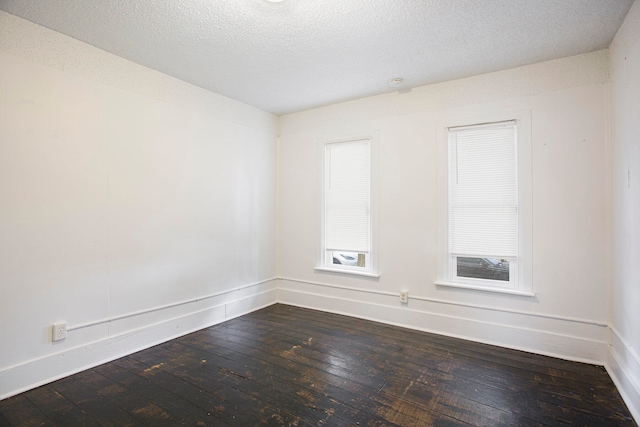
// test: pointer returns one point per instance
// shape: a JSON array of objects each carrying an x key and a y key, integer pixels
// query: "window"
[
  {"x": 347, "y": 206},
  {"x": 486, "y": 226}
]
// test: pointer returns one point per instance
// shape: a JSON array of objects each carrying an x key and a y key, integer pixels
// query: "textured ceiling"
[{"x": 299, "y": 54}]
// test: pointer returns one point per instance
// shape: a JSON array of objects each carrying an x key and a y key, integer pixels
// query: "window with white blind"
[
  {"x": 483, "y": 204},
  {"x": 485, "y": 244},
  {"x": 347, "y": 206}
]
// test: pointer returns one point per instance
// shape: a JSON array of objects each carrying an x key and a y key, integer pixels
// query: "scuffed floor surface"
[{"x": 287, "y": 366}]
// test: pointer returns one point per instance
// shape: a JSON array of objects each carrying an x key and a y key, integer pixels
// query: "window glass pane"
[
  {"x": 353, "y": 259},
  {"x": 483, "y": 268}
]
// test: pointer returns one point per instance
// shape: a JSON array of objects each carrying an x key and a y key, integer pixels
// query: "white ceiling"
[{"x": 299, "y": 54}]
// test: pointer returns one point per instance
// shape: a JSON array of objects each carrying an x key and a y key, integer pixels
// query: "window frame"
[
  {"x": 324, "y": 264},
  {"x": 522, "y": 281}
]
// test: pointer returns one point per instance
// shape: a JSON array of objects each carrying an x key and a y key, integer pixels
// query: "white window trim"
[
  {"x": 346, "y": 270},
  {"x": 524, "y": 284},
  {"x": 321, "y": 142},
  {"x": 485, "y": 288}
]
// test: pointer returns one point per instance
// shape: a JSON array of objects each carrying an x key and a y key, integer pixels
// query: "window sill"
[
  {"x": 486, "y": 289},
  {"x": 354, "y": 272}
]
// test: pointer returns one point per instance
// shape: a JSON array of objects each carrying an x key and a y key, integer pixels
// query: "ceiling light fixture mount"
[{"x": 395, "y": 82}]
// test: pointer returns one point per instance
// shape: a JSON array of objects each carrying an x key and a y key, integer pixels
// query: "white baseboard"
[
  {"x": 557, "y": 337},
  {"x": 569, "y": 339},
  {"x": 623, "y": 366},
  {"x": 565, "y": 338},
  {"x": 33, "y": 373}
]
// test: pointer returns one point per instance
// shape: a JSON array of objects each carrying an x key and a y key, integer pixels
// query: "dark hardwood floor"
[{"x": 287, "y": 366}]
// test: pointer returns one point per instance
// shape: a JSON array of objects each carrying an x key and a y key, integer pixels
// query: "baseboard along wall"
[{"x": 566, "y": 338}]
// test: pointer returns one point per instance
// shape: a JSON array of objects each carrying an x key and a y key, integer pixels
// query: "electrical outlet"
[
  {"x": 404, "y": 296},
  {"x": 59, "y": 331}
]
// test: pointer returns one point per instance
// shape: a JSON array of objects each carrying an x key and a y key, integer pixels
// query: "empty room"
[{"x": 309, "y": 213}]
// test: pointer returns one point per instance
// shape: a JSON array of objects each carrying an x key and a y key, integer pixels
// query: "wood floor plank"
[
  {"x": 4, "y": 422},
  {"x": 19, "y": 411},
  {"x": 278, "y": 355},
  {"x": 275, "y": 372},
  {"x": 267, "y": 382},
  {"x": 289, "y": 366},
  {"x": 452, "y": 346},
  {"x": 407, "y": 366},
  {"x": 552, "y": 381},
  {"x": 287, "y": 408},
  {"x": 85, "y": 411},
  {"x": 535, "y": 378},
  {"x": 496, "y": 416}
]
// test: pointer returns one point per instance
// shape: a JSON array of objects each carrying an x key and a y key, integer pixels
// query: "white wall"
[
  {"x": 122, "y": 190},
  {"x": 624, "y": 358},
  {"x": 566, "y": 100}
]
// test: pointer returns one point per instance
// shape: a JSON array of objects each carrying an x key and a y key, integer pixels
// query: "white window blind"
[
  {"x": 483, "y": 196},
  {"x": 347, "y": 196}
]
